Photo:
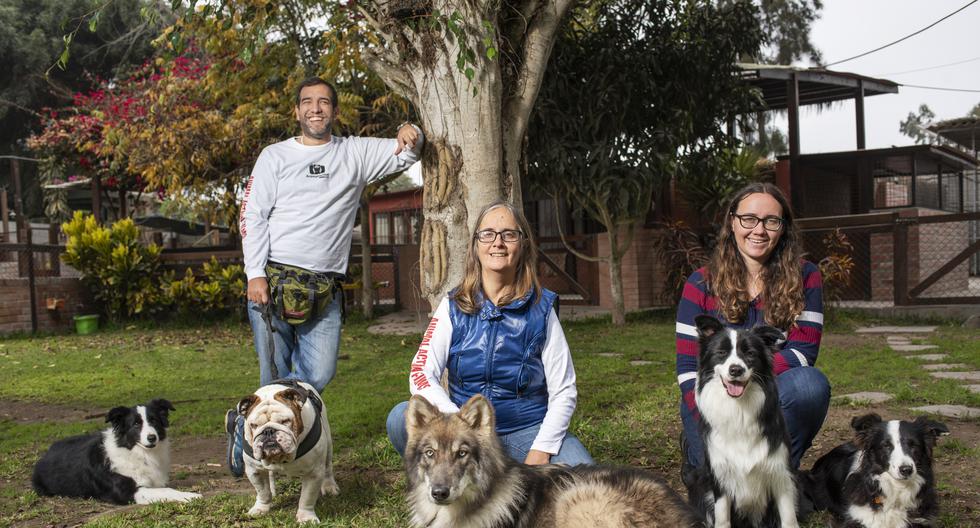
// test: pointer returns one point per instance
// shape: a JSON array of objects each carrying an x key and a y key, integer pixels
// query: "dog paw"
[
  {"x": 259, "y": 509},
  {"x": 306, "y": 516},
  {"x": 186, "y": 496},
  {"x": 329, "y": 487}
]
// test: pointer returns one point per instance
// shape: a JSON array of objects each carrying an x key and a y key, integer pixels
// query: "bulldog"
[{"x": 286, "y": 432}]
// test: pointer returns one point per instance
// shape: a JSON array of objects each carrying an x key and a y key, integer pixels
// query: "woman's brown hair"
[
  {"x": 781, "y": 276},
  {"x": 469, "y": 294}
]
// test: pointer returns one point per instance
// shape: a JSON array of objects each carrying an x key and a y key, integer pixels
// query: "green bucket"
[{"x": 86, "y": 324}]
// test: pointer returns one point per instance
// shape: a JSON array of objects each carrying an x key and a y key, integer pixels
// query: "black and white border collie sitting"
[
  {"x": 128, "y": 462},
  {"x": 883, "y": 479},
  {"x": 746, "y": 479}
]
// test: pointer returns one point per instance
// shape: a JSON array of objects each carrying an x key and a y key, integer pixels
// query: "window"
[{"x": 398, "y": 227}]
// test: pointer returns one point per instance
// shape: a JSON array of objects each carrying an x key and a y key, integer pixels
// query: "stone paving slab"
[
  {"x": 945, "y": 366},
  {"x": 912, "y": 348},
  {"x": 973, "y": 388},
  {"x": 965, "y": 376},
  {"x": 898, "y": 340},
  {"x": 895, "y": 329},
  {"x": 609, "y": 354},
  {"x": 929, "y": 357},
  {"x": 951, "y": 411},
  {"x": 640, "y": 362},
  {"x": 866, "y": 397}
]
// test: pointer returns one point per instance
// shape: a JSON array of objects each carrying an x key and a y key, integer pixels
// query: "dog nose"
[
  {"x": 736, "y": 371},
  {"x": 906, "y": 470},
  {"x": 440, "y": 493},
  {"x": 151, "y": 438}
]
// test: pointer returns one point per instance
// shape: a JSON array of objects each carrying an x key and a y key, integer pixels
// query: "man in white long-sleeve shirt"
[
  {"x": 298, "y": 211},
  {"x": 297, "y": 217}
]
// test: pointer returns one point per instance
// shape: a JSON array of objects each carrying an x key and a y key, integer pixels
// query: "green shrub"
[
  {"x": 121, "y": 272},
  {"x": 216, "y": 294}
]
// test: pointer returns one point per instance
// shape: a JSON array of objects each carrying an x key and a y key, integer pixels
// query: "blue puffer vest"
[{"x": 497, "y": 353}]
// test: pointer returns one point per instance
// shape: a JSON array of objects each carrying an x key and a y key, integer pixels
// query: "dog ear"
[
  {"x": 478, "y": 413},
  {"x": 116, "y": 415},
  {"x": 862, "y": 425},
  {"x": 419, "y": 414},
  {"x": 246, "y": 404},
  {"x": 771, "y": 336},
  {"x": 162, "y": 407},
  {"x": 294, "y": 395},
  {"x": 932, "y": 428},
  {"x": 707, "y": 325}
]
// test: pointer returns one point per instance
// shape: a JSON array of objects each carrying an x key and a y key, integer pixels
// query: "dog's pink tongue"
[{"x": 734, "y": 390}]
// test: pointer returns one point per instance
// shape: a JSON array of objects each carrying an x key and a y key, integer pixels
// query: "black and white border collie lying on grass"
[
  {"x": 746, "y": 479},
  {"x": 128, "y": 462},
  {"x": 883, "y": 479}
]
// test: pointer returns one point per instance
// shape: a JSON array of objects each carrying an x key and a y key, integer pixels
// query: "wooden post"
[
  {"x": 900, "y": 247},
  {"x": 797, "y": 195},
  {"x": 18, "y": 199},
  {"x": 31, "y": 281},
  {"x": 5, "y": 213},
  {"x": 859, "y": 114}
]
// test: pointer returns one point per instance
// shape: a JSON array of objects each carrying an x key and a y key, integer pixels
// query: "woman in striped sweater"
[{"x": 756, "y": 276}]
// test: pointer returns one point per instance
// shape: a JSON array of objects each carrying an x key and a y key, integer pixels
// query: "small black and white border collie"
[
  {"x": 883, "y": 479},
  {"x": 746, "y": 479},
  {"x": 127, "y": 462}
]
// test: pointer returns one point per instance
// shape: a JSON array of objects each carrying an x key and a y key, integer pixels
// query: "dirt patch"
[{"x": 26, "y": 412}]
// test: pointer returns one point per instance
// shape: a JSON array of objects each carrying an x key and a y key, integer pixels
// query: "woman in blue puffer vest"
[{"x": 498, "y": 334}]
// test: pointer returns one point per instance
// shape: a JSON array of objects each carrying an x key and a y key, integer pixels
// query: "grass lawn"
[{"x": 627, "y": 412}]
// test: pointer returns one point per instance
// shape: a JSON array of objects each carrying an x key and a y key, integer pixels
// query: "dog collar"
[{"x": 311, "y": 439}]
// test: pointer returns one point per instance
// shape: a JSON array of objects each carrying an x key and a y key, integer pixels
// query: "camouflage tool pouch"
[{"x": 298, "y": 295}]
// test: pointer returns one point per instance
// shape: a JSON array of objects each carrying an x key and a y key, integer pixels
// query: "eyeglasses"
[
  {"x": 770, "y": 223},
  {"x": 487, "y": 236}
]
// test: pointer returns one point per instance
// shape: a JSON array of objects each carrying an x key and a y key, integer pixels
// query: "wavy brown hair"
[
  {"x": 469, "y": 294},
  {"x": 781, "y": 276}
]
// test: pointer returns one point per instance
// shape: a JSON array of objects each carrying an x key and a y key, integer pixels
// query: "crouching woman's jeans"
[
  {"x": 516, "y": 444},
  {"x": 804, "y": 396}
]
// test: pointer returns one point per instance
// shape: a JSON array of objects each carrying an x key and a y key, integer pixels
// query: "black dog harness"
[{"x": 311, "y": 439}]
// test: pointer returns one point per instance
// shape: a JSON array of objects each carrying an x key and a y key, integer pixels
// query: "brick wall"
[
  {"x": 15, "y": 312},
  {"x": 643, "y": 277}
]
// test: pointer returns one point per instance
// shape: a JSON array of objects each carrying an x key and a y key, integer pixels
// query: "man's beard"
[{"x": 308, "y": 132}]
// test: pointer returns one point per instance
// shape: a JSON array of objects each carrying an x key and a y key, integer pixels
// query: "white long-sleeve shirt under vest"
[
  {"x": 301, "y": 200},
  {"x": 433, "y": 354}
]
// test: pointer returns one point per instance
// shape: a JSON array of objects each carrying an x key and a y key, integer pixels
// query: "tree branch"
[
  {"x": 539, "y": 40},
  {"x": 565, "y": 242}
]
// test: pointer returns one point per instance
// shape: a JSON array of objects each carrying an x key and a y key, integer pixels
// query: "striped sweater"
[{"x": 802, "y": 340}]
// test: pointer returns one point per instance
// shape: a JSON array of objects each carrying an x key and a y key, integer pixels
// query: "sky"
[{"x": 850, "y": 27}]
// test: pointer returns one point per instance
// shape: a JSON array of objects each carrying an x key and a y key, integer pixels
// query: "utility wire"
[
  {"x": 903, "y": 38},
  {"x": 929, "y": 67},
  {"x": 939, "y": 88}
]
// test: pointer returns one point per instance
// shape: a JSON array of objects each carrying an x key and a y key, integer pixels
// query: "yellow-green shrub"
[{"x": 121, "y": 272}]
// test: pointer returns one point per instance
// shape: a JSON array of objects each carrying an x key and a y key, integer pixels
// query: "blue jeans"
[
  {"x": 804, "y": 395},
  {"x": 306, "y": 352},
  {"x": 517, "y": 444}
]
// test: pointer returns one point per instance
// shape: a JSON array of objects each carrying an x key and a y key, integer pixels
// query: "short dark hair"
[{"x": 313, "y": 81}]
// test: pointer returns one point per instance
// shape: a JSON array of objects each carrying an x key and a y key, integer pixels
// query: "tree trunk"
[
  {"x": 367, "y": 283},
  {"x": 475, "y": 127},
  {"x": 616, "y": 278}
]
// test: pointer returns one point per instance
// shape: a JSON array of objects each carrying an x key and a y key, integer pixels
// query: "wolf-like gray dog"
[{"x": 460, "y": 477}]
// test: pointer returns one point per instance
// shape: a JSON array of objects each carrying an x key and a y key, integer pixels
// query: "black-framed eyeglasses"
[
  {"x": 487, "y": 236},
  {"x": 749, "y": 221}
]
